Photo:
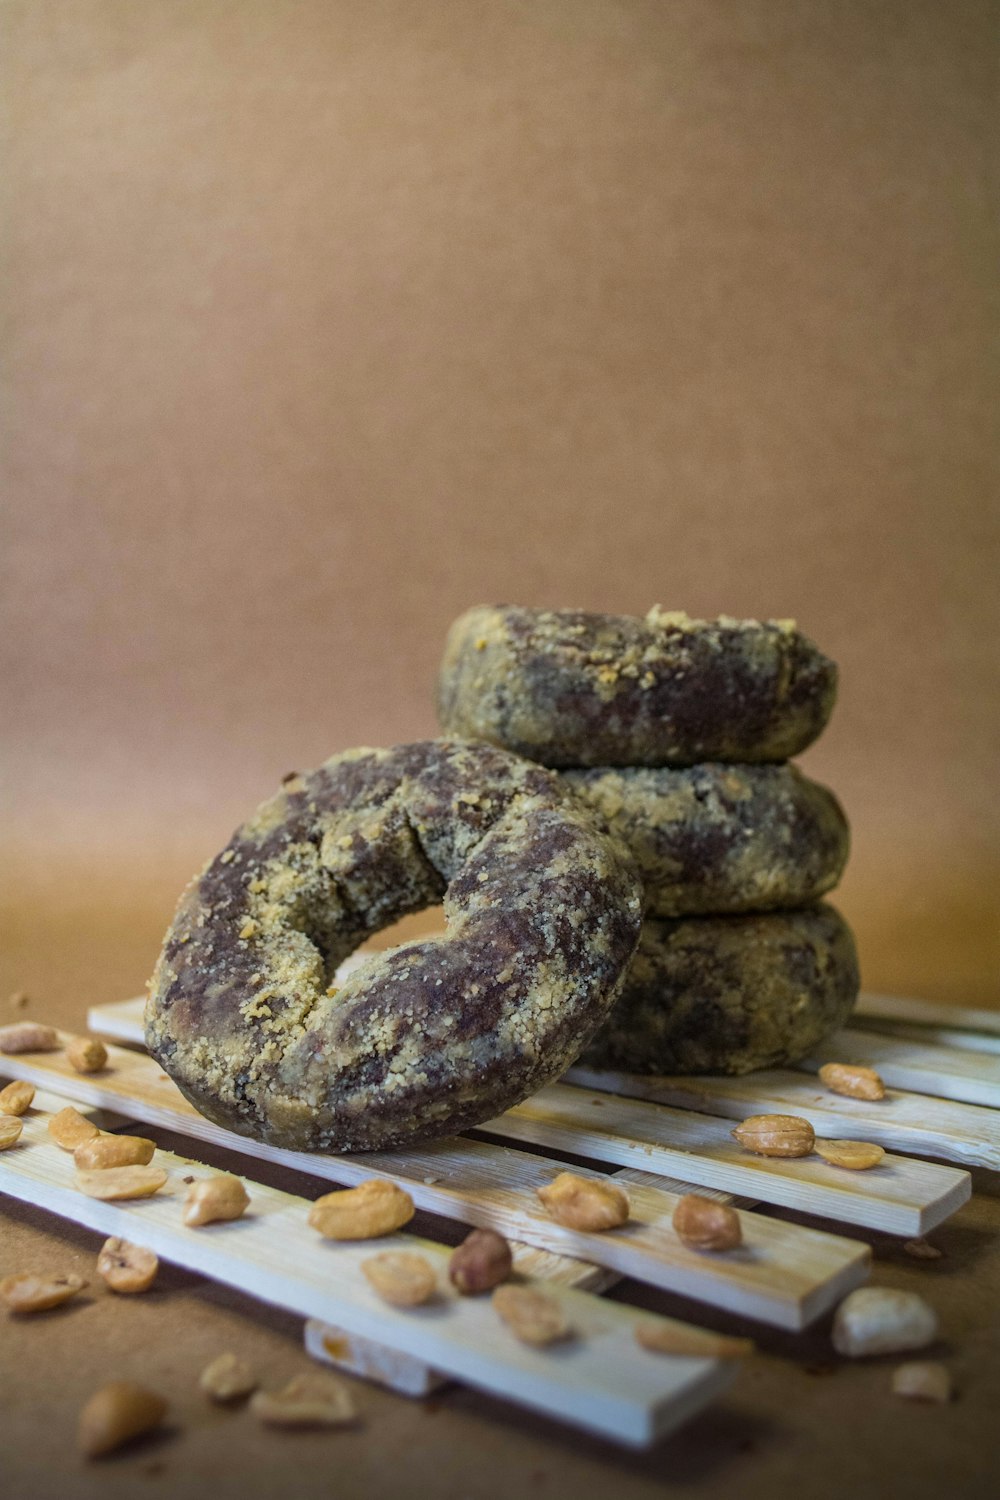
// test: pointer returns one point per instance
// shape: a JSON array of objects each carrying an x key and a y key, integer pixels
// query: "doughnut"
[
  {"x": 543, "y": 912},
  {"x": 717, "y": 838},
  {"x": 566, "y": 688},
  {"x": 730, "y": 994}
]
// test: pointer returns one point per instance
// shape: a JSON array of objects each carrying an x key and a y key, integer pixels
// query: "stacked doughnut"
[{"x": 678, "y": 732}]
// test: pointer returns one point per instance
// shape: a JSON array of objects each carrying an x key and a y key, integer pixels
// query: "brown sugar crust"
[
  {"x": 722, "y": 838},
  {"x": 543, "y": 910},
  {"x": 567, "y": 688},
  {"x": 730, "y": 994}
]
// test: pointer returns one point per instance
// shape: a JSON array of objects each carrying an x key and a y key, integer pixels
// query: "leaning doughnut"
[
  {"x": 572, "y": 689},
  {"x": 543, "y": 913},
  {"x": 730, "y": 994},
  {"x": 717, "y": 838}
]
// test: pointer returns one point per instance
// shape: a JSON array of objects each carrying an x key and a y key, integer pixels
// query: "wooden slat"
[
  {"x": 946, "y": 1072},
  {"x": 600, "y": 1380},
  {"x": 966, "y": 1133},
  {"x": 927, "y": 1013},
  {"x": 930, "y": 1036},
  {"x": 784, "y": 1275}
]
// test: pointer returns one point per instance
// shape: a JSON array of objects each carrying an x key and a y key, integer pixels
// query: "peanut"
[
  {"x": 703, "y": 1224},
  {"x": 585, "y": 1203},
  {"x": 775, "y": 1135},
  {"x": 10, "y": 1130},
  {"x": 16, "y": 1097},
  {"x": 481, "y": 1262},
  {"x": 307, "y": 1401},
  {"x": 400, "y": 1277},
  {"x": 36, "y": 1292},
  {"x": 857, "y": 1156},
  {"x": 105, "y": 1151},
  {"x": 214, "y": 1199},
  {"x": 852, "y": 1079},
  {"x": 28, "y": 1036},
  {"x": 86, "y": 1054},
  {"x": 126, "y": 1268},
  {"x": 227, "y": 1378},
  {"x": 694, "y": 1343},
  {"x": 531, "y": 1316},
  {"x": 374, "y": 1208},
  {"x": 69, "y": 1129},
  {"x": 922, "y": 1249},
  {"x": 882, "y": 1320},
  {"x": 115, "y": 1414},
  {"x": 114, "y": 1183},
  {"x": 922, "y": 1380}
]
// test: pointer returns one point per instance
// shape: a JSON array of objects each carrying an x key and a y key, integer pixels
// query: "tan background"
[{"x": 327, "y": 319}]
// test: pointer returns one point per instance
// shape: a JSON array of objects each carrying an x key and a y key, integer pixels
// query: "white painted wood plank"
[
  {"x": 945, "y": 1072},
  {"x": 600, "y": 1380},
  {"x": 967, "y": 1133},
  {"x": 927, "y": 1012},
  {"x": 931, "y": 1036},
  {"x": 784, "y": 1275}
]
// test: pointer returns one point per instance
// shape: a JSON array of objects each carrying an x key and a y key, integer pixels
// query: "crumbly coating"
[
  {"x": 567, "y": 688},
  {"x": 722, "y": 838},
  {"x": 730, "y": 994},
  {"x": 543, "y": 910}
]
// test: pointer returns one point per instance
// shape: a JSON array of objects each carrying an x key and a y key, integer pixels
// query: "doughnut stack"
[{"x": 678, "y": 734}]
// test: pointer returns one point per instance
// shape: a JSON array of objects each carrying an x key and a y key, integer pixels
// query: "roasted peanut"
[
  {"x": 922, "y": 1249},
  {"x": 374, "y": 1208},
  {"x": 694, "y": 1343},
  {"x": 115, "y": 1414},
  {"x": 585, "y": 1203},
  {"x": 213, "y": 1199},
  {"x": 882, "y": 1320},
  {"x": 228, "y": 1378},
  {"x": 307, "y": 1401},
  {"x": 401, "y": 1277},
  {"x": 28, "y": 1036},
  {"x": 36, "y": 1292},
  {"x": 86, "y": 1054},
  {"x": 16, "y": 1097},
  {"x": 114, "y": 1183},
  {"x": 775, "y": 1135},
  {"x": 105, "y": 1151},
  {"x": 69, "y": 1129},
  {"x": 703, "y": 1224},
  {"x": 857, "y": 1156},
  {"x": 922, "y": 1380},
  {"x": 852, "y": 1079},
  {"x": 530, "y": 1315},
  {"x": 126, "y": 1268},
  {"x": 481, "y": 1262},
  {"x": 10, "y": 1130}
]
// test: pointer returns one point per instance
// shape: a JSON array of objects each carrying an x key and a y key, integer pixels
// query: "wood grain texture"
[
  {"x": 931, "y": 1067},
  {"x": 927, "y": 1013}
]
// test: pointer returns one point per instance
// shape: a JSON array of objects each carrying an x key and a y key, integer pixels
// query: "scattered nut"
[
  {"x": 87, "y": 1055},
  {"x": 703, "y": 1224},
  {"x": 215, "y": 1198},
  {"x": 37, "y": 1291},
  {"x": 481, "y": 1262},
  {"x": 10, "y": 1130},
  {"x": 28, "y": 1036},
  {"x": 531, "y": 1316},
  {"x": 114, "y": 1183},
  {"x": 923, "y": 1250},
  {"x": 375, "y": 1208},
  {"x": 695, "y": 1343},
  {"x": 401, "y": 1277},
  {"x": 228, "y": 1378},
  {"x": 105, "y": 1151},
  {"x": 16, "y": 1097},
  {"x": 852, "y": 1079},
  {"x": 922, "y": 1380},
  {"x": 882, "y": 1320},
  {"x": 70, "y": 1129},
  {"x": 125, "y": 1267},
  {"x": 585, "y": 1203},
  {"x": 857, "y": 1156},
  {"x": 115, "y": 1414},
  {"x": 776, "y": 1135},
  {"x": 307, "y": 1401}
]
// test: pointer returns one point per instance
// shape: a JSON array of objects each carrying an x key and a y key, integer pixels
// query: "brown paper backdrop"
[{"x": 328, "y": 319}]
